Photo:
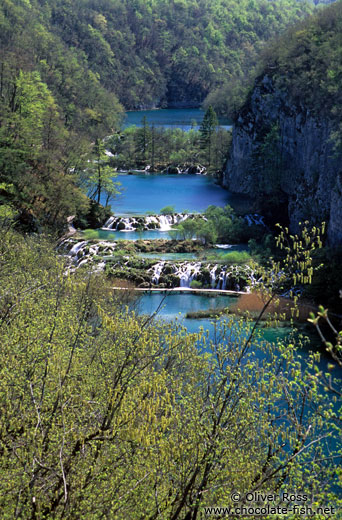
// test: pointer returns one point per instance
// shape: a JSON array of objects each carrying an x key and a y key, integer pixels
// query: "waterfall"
[
  {"x": 178, "y": 274},
  {"x": 223, "y": 246},
  {"x": 77, "y": 247},
  {"x": 213, "y": 276},
  {"x": 128, "y": 224},
  {"x": 157, "y": 270},
  {"x": 151, "y": 220},
  {"x": 221, "y": 284},
  {"x": 187, "y": 272},
  {"x": 108, "y": 224},
  {"x": 162, "y": 222},
  {"x": 83, "y": 252},
  {"x": 165, "y": 222}
]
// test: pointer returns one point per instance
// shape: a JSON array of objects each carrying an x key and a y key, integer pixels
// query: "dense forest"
[
  {"x": 162, "y": 53},
  {"x": 305, "y": 62}
]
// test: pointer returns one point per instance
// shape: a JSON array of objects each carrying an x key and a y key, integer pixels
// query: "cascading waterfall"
[
  {"x": 165, "y": 222},
  {"x": 187, "y": 272},
  {"x": 174, "y": 274},
  {"x": 157, "y": 270},
  {"x": 83, "y": 252},
  {"x": 151, "y": 220},
  {"x": 74, "y": 251},
  {"x": 213, "y": 276},
  {"x": 223, "y": 246},
  {"x": 109, "y": 223},
  {"x": 161, "y": 222},
  {"x": 221, "y": 284}
]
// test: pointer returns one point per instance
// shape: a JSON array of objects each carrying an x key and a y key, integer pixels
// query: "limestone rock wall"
[{"x": 311, "y": 173}]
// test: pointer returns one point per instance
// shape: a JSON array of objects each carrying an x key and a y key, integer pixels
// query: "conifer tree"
[{"x": 208, "y": 130}]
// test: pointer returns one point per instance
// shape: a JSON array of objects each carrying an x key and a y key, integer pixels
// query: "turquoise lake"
[
  {"x": 113, "y": 236},
  {"x": 171, "y": 118},
  {"x": 176, "y": 305},
  {"x": 148, "y": 193}
]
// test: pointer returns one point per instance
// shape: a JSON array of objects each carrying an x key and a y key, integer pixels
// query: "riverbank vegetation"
[{"x": 218, "y": 225}]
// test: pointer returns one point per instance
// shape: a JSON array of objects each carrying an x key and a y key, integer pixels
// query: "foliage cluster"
[
  {"x": 306, "y": 62},
  {"x": 108, "y": 414},
  {"x": 218, "y": 225},
  {"x": 161, "y": 148},
  {"x": 229, "y": 258}
]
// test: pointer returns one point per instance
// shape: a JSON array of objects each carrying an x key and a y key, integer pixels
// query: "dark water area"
[{"x": 183, "y": 118}]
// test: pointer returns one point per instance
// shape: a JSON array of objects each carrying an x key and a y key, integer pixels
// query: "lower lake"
[
  {"x": 113, "y": 236},
  {"x": 174, "y": 306}
]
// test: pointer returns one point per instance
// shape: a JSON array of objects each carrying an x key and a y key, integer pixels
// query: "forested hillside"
[
  {"x": 170, "y": 52},
  {"x": 51, "y": 106},
  {"x": 150, "y": 52}
]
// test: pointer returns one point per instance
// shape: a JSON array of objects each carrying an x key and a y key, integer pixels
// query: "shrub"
[{"x": 168, "y": 210}]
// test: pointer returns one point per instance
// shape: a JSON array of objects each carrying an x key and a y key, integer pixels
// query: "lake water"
[
  {"x": 113, "y": 236},
  {"x": 183, "y": 118},
  {"x": 149, "y": 193},
  {"x": 176, "y": 305}
]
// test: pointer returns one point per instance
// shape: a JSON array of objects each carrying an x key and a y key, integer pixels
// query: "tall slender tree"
[{"x": 208, "y": 130}]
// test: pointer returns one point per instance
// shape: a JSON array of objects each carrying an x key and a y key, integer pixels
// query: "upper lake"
[{"x": 184, "y": 118}]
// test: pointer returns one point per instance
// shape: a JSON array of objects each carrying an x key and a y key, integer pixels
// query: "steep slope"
[
  {"x": 52, "y": 106},
  {"x": 286, "y": 142},
  {"x": 160, "y": 52}
]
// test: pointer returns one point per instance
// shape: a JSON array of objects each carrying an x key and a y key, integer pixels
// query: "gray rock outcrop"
[{"x": 310, "y": 175}]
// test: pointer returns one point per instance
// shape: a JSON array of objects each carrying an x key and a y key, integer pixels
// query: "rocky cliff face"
[{"x": 310, "y": 174}]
